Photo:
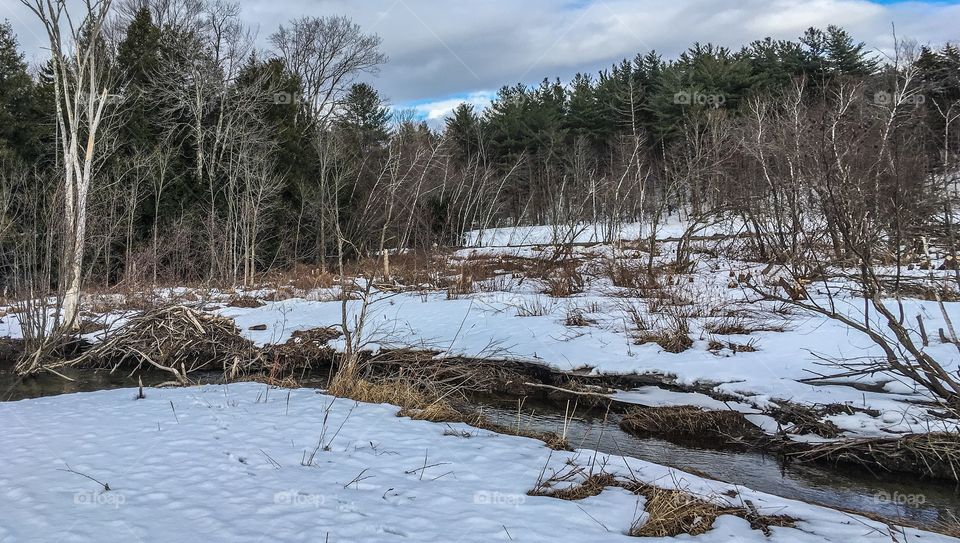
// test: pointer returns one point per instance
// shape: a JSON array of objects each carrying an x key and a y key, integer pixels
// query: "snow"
[
  {"x": 488, "y": 324},
  {"x": 652, "y": 396},
  {"x": 518, "y": 236},
  {"x": 225, "y": 463}
]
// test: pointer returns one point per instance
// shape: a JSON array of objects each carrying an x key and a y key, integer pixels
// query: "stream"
[{"x": 891, "y": 495}]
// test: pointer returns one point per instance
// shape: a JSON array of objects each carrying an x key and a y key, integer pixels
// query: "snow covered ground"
[
  {"x": 227, "y": 463},
  {"x": 518, "y": 322},
  {"x": 519, "y": 236},
  {"x": 509, "y": 317}
]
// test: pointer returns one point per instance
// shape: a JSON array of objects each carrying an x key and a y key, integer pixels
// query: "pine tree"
[
  {"x": 18, "y": 116},
  {"x": 365, "y": 118},
  {"x": 845, "y": 56},
  {"x": 464, "y": 132},
  {"x": 583, "y": 119},
  {"x": 138, "y": 58}
]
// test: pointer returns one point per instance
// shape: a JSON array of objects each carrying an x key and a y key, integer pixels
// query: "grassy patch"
[{"x": 692, "y": 425}]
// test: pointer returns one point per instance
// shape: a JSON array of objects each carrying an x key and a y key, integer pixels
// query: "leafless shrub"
[
  {"x": 636, "y": 315},
  {"x": 533, "y": 306},
  {"x": 717, "y": 345},
  {"x": 630, "y": 276},
  {"x": 671, "y": 332},
  {"x": 577, "y": 318},
  {"x": 500, "y": 283},
  {"x": 564, "y": 281}
]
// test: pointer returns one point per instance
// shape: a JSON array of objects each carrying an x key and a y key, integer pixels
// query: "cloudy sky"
[{"x": 443, "y": 52}]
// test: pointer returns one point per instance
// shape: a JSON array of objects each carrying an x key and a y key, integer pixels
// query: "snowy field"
[
  {"x": 507, "y": 317},
  {"x": 519, "y": 236},
  {"x": 232, "y": 463}
]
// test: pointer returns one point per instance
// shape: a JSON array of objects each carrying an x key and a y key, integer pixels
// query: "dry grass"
[
  {"x": 716, "y": 345},
  {"x": 564, "y": 279},
  {"x": 670, "y": 331},
  {"x": 500, "y": 283},
  {"x": 802, "y": 419},
  {"x": 534, "y": 307},
  {"x": 689, "y": 424},
  {"x": 101, "y": 305},
  {"x": 630, "y": 276},
  {"x": 302, "y": 277},
  {"x": 245, "y": 302},
  {"x": 672, "y": 334},
  {"x": 734, "y": 324},
  {"x": 672, "y": 512},
  {"x": 420, "y": 399},
  {"x": 922, "y": 288},
  {"x": 427, "y": 389},
  {"x": 667, "y": 512},
  {"x": 413, "y": 401},
  {"x": 935, "y": 455},
  {"x": 949, "y": 525},
  {"x": 573, "y": 483},
  {"x": 577, "y": 318}
]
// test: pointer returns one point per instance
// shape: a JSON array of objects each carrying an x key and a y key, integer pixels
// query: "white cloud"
[
  {"x": 443, "y": 48},
  {"x": 439, "y": 109}
]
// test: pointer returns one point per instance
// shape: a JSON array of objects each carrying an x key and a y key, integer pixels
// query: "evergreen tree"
[
  {"x": 506, "y": 123},
  {"x": 18, "y": 116},
  {"x": 138, "y": 57},
  {"x": 464, "y": 132},
  {"x": 939, "y": 74},
  {"x": 583, "y": 114},
  {"x": 847, "y": 57},
  {"x": 365, "y": 118},
  {"x": 774, "y": 63}
]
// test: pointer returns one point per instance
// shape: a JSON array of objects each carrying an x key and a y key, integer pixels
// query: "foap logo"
[
  {"x": 109, "y": 499},
  {"x": 687, "y": 98},
  {"x": 884, "y": 98},
  {"x": 298, "y": 499},
  {"x": 285, "y": 98},
  {"x": 498, "y": 498},
  {"x": 900, "y": 499}
]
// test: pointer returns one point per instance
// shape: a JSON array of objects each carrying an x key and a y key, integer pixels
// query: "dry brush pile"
[{"x": 176, "y": 339}]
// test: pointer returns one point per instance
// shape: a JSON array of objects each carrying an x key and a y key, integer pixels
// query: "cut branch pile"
[
  {"x": 935, "y": 455},
  {"x": 175, "y": 339},
  {"x": 801, "y": 419}
]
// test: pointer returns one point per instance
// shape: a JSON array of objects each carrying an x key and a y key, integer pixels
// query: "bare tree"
[
  {"x": 82, "y": 92},
  {"x": 327, "y": 54}
]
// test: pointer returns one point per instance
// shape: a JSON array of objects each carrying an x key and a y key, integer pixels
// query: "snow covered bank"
[
  {"x": 739, "y": 347},
  {"x": 226, "y": 463},
  {"x": 518, "y": 236}
]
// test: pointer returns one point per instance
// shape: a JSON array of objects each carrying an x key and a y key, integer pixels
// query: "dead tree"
[
  {"x": 327, "y": 54},
  {"x": 82, "y": 87}
]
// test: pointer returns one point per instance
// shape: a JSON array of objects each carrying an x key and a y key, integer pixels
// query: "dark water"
[
  {"x": 891, "y": 495},
  {"x": 14, "y": 387}
]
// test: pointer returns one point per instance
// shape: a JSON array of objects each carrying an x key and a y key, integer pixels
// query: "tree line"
[{"x": 199, "y": 157}]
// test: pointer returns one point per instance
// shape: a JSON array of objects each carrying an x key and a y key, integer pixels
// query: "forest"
[{"x": 213, "y": 160}]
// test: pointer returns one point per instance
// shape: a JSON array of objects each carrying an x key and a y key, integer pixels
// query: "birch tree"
[{"x": 82, "y": 92}]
